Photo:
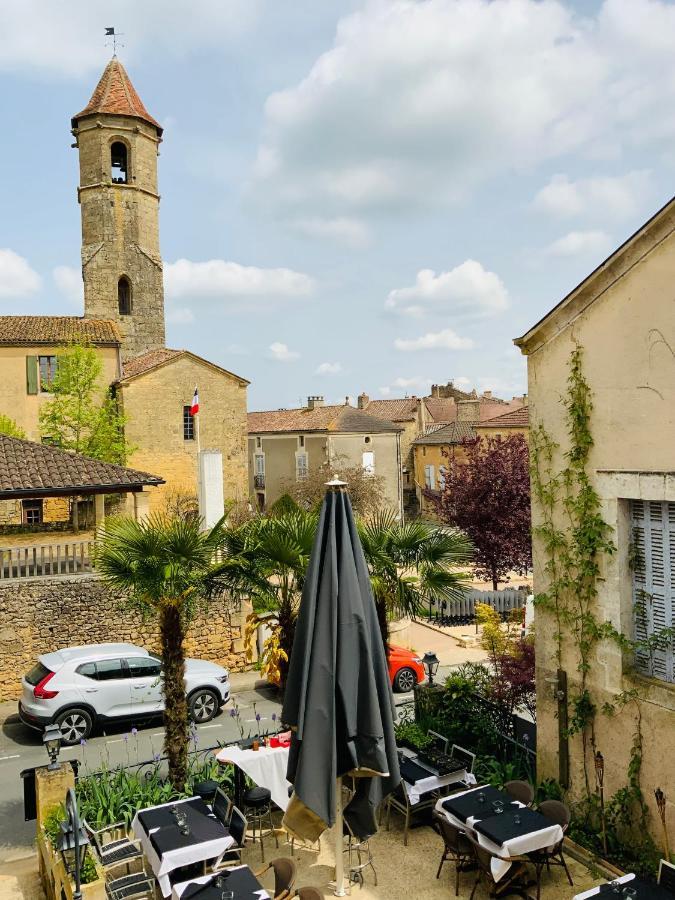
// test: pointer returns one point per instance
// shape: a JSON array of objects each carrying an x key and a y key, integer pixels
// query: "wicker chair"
[
  {"x": 510, "y": 883},
  {"x": 285, "y": 872},
  {"x": 521, "y": 791},
  {"x": 309, "y": 893},
  {"x": 457, "y": 846},
  {"x": 559, "y": 813}
]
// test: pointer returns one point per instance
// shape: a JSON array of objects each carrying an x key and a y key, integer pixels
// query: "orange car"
[{"x": 405, "y": 669}]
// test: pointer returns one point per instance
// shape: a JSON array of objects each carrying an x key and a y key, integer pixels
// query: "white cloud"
[
  {"x": 604, "y": 197},
  {"x": 327, "y": 368},
  {"x": 466, "y": 290},
  {"x": 281, "y": 353},
  {"x": 438, "y": 340},
  {"x": 69, "y": 282},
  {"x": 17, "y": 279},
  {"x": 343, "y": 230},
  {"x": 416, "y": 385},
  {"x": 417, "y": 102},
  {"x": 580, "y": 243},
  {"x": 231, "y": 285},
  {"x": 67, "y": 38}
]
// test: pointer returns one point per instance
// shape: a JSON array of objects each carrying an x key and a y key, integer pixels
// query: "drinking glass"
[
  {"x": 227, "y": 895},
  {"x": 516, "y": 819},
  {"x": 221, "y": 881},
  {"x": 498, "y": 807},
  {"x": 630, "y": 892},
  {"x": 481, "y": 797},
  {"x": 616, "y": 886}
]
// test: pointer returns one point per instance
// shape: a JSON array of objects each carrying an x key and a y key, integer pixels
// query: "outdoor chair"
[
  {"x": 514, "y": 881},
  {"x": 457, "y": 847},
  {"x": 399, "y": 801},
  {"x": 666, "y": 878},
  {"x": 465, "y": 756},
  {"x": 285, "y": 873},
  {"x": 521, "y": 791},
  {"x": 237, "y": 828},
  {"x": 559, "y": 813},
  {"x": 222, "y": 807},
  {"x": 438, "y": 741},
  {"x": 130, "y": 886},
  {"x": 309, "y": 893},
  {"x": 111, "y": 851}
]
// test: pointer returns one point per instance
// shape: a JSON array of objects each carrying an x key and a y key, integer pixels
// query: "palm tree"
[
  {"x": 411, "y": 564},
  {"x": 161, "y": 565}
]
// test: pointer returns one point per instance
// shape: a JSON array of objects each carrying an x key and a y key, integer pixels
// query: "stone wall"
[{"x": 40, "y": 615}]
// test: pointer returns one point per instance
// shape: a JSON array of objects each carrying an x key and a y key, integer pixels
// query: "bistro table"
[
  {"x": 645, "y": 890},
  {"x": 500, "y": 834},
  {"x": 167, "y": 848},
  {"x": 418, "y": 780},
  {"x": 266, "y": 767},
  {"x": 239, "y": 879}
]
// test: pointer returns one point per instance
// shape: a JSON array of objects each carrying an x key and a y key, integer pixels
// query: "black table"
[
  {"x": 646, "y": 890},
  {"x": 503, "y": 827},
  {"x": 468, "y": 806},
  {"x": 241, "y": 881},
  {"x": 163, "y": 817}
]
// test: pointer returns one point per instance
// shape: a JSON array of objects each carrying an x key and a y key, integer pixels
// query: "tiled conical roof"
[{"x": 115, "y": 95}]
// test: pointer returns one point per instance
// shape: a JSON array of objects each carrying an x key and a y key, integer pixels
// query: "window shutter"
[{"x": 32, "y": 374}]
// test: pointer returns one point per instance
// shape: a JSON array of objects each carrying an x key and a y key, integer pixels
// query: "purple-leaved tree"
[{"x": 488, "y": 497}]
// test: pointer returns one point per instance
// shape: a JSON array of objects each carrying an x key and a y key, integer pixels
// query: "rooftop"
[
  {"x": 454, "y": 433},
  {"x": 514, "y": 418},
  {"x": 28, "y": 469},
  {"x": 342, "y": 419},
  {"x": 115, "y": 95},
  {"x": 153, "y": 359},
  {"x": 57, "y": 330}
]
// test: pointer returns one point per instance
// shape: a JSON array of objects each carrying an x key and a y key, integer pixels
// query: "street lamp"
[
  {"x": 430, "y": 662},
  {"x": 73, "y": 842},
  {"x": 52, "y": 743}
]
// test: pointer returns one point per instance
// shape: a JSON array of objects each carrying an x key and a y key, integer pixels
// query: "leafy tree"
[
  {"x": 366, "y": 491},
  {"x": 162, "y": 567},
  {"x": 10, "y": 428},
  {"x": 488, "y": 497},
  {"x": 82, "y": 414}
]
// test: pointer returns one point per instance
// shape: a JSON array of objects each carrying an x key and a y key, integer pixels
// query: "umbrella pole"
[{"x": 339, "y": 856}]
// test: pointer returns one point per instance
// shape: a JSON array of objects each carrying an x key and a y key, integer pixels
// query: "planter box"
[{"x": 55, "y": 880}]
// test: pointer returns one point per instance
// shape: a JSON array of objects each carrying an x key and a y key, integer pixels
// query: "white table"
[
  {"x": 525, "y": 843},
  {"x": 174, "y": 859},
  {"x": 434, "y": 783},
  {"x": 593, "y": 892},
  {"x": 178, "y": 889},
  {"x": 266, "y": 766}
]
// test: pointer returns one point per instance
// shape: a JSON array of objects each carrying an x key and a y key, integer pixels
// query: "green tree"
[
  {"x": 82, "y": 414},
  {"x": 10, "y": 428},
  {"x": 162, "y": 567}
]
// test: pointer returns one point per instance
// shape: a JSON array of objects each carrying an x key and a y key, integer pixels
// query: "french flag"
[{"x": 194, "y": 409}]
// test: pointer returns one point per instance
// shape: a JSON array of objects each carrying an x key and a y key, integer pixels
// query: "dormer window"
[
  {"x": 119, "y": 169},
  {"x": 124, "y": 296}
]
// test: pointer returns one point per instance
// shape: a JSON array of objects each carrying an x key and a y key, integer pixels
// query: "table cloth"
[
  {"x": 418, "y": 781},
  {"x": 239, "y": 879},
  {"x": 266, "y": 766},
  {"x": 166, "y": 849},
  {"x": 646, "y": 890},
  {"x": 538, "y": 839}
]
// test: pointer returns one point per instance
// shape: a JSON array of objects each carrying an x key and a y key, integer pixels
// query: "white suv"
[{"x": 80, "y": 687}]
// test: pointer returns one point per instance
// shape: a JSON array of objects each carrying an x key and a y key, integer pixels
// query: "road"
[{"x": 21, "y": 748}]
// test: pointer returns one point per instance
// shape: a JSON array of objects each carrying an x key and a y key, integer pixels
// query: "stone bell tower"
[{"x": 118, "y": 142}]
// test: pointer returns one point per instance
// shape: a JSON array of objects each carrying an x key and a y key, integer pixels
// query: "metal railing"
[
  {"x": 463, "y": 611},
  {"x": 47, "y": 560}
]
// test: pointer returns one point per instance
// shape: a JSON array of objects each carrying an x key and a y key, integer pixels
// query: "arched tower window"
[
  {"x": 119, "y": 168},
  {"x": 124, "y": 296}
]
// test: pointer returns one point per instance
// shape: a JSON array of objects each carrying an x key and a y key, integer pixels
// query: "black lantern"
[
  {"x": 73, "y": 843},
  {"x": 430, "y": 662},
  {"x": 52, "y": 743}
]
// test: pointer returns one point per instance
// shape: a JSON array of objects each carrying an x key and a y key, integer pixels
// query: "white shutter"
[
  {"x": 653, "y": 525},
  {"x": 429, "y": 478},
  {"x": 368, "y": 462},
  {"x": 300, "y": 466}
]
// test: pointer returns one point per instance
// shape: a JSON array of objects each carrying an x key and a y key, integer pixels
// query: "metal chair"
[
  {"x": 222, "y": 807},
  {"x": 559, "y": 813},
  {"x": 237, "y": 828},
  {"x": 400, "y": 801},
  {"x": 521, "y": 791},
  {"x": 439, "y": 741},
  {"x": 666, "y": 877},
  {"x": 258, "y": 807},
  {"x": 113, "y": 852},
  {"x": 285, "y": 873},
  {"x": 467, "y": 757},
  {"x": 515, "y": 880},
  {"x": 130, "y": 887},
  {"x": 457, "y": 846}
]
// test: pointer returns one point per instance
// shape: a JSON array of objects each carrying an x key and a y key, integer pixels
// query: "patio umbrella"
[{"x": 338, "y": 700}]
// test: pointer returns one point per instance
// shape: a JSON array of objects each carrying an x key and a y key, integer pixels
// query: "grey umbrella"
[{"x": 338, "y": 700}]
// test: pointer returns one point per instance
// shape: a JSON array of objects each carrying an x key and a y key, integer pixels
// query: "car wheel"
[
  {"x": 203, "y": 706},
  {"x": 75, "y": 725},
  {"x": 405, "y": 680}
]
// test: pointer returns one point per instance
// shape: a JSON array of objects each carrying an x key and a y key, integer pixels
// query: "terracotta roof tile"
[
  {"x": 31, "y": 469},
  {"x": 454, "y": 433},
  {"x": 514, "y": 418},
  {"x": 441, "y": 409},
  {"x": 147, "y": 361},
  {"x": 115, "y": 95},
  {"x": 57, "y": 330},
  {"x": 340, "y": 418},
  {"x": 404, "y": 410}
]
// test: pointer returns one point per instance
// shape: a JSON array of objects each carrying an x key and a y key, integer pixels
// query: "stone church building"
[{"x": 117, "y": 141}]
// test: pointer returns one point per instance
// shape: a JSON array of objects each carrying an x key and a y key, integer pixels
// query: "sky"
[{"x": 357, "y": 195}]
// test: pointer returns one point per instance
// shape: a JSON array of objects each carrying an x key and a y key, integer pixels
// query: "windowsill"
[{"x": 653, "y": 690}]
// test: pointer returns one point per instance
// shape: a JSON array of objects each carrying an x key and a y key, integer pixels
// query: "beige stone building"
[
  {"x": 623, "y": 319},
  {"x": 117, "y": 142},
  {"x": 434, "y": 450},
  {"x": 285, "y": 444}
]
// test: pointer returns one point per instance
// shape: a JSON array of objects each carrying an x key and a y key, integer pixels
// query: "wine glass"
[
  {"x": 498, "y": 807},
  {"x": 227, "y": 895},
  {"x": 516, "y": 818},
  {"x": 616, "y": 886},
  {"x": 481, "y": 797},
  {"x": 630, "y": 892}
]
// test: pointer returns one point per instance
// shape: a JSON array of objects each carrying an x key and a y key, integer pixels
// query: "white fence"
[
  {"x": 46, "y": 560},
  {"x": 465, "y": 609}
]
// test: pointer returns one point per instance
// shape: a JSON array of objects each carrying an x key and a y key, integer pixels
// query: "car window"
[
  {"x": 87, "y": 669},
  {"x": 143, "y": 667},
  {"x": 37, "y": 673},
  {"x": 109, "y": 669}
]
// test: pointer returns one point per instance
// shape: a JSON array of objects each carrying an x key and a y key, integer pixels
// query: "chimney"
[
  {"x": 522, "y": 400},
  {"x": 487, "y": 395},
  {"x": 468, "y": 411},
  {"x": 314, "y": 402},
  {"x": 363, "y": 400}
]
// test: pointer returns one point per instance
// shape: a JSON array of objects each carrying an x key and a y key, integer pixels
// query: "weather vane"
[{"x": 110, "y": 32}]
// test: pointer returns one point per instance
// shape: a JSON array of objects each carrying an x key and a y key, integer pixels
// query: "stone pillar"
[
  {"x": 141, "y": 506},
  {"x": 99, "y": 510},
  {"x": 51, "y": 788}
]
